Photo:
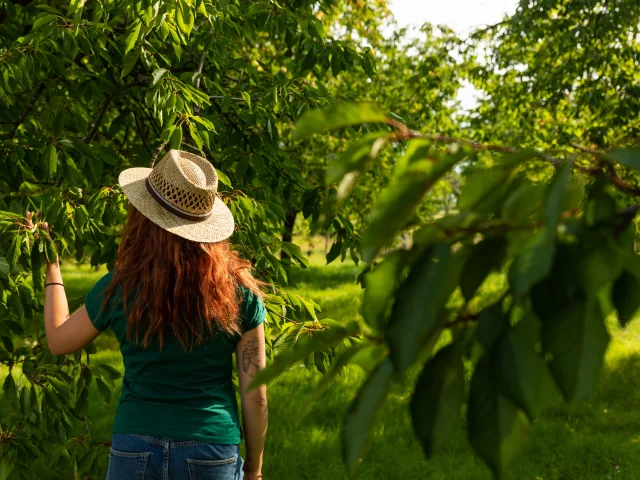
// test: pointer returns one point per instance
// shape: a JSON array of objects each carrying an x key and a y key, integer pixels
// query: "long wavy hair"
[{"x": 169, "y": 281}]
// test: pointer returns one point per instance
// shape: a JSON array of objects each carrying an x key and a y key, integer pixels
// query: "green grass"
[{"x": 598, "y": 439}]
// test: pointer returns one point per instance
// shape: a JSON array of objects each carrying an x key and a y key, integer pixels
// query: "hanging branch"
[
  {"x": 404, "y": 133},
  {"x": 605, "y": 167},
  {"x": 105, "y": 105},
  {"x": 34, "y": 98}
]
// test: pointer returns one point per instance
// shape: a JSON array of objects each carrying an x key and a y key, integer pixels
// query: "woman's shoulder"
[
  {"x": 247, "y": 295},
  {"x": 254, "y": 311}
]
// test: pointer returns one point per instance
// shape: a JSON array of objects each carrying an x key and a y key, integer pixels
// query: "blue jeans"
[{"x": 144, "y": 457}]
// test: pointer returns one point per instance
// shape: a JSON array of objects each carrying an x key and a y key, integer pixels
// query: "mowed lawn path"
[{"x": 598, "y": 439}]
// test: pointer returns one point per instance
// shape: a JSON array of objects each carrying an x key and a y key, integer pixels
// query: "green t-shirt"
[{"x": 172, "y": 393}]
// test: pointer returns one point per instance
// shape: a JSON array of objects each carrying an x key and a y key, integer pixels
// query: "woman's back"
[{"x": 162, "y": 386}]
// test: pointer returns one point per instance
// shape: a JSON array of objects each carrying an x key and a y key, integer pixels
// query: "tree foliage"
[{"x": 89, "y": 89}]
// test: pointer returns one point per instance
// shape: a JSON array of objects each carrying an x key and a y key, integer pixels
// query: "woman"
[{"x": 180, "y": 302}]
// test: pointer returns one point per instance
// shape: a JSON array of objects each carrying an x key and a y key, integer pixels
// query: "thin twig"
[
  {"x": 105, "y": 105},
  {"x": 472, "y": 317},
  {"x": 220, "y": 97},
  {"x": 162, "y": 146},
  {"x": 194, "y": 148},
  {"x": 27, "y": 109}
]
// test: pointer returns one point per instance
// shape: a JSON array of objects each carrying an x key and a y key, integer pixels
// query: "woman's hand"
[{"x": 44, "y": 225}]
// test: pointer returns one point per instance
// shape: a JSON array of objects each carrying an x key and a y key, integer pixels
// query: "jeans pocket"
[
  {"x": 127, "y": 465},
  {"x": 212, "y": 469}
]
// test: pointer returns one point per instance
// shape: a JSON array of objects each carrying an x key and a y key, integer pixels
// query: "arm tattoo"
[{"x": 251, "y": 356}]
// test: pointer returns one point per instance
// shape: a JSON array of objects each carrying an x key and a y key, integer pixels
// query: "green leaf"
[
  {"x": 294, "y": 251},
  {"x": 337, "y": 116},
  {"x": 206, "y": 123},
  {"x": 242, "y": 166},
  {"x": 43, "y": 20},
  {"x": 95, "y": 167},
  {"x": 349, "y": 166},
  {"x": 319, "y": 341},
  {"x": 129, "y": 62},
  {"x": 576, "y": 338},
  {"x": 176, "y": 139},
  {"x": 105, "y": 391},
  {"x": 437, "y": 399},
  {"x": 380, "y": 286},
  {"x": 399, "y": 200},
  {"x": 15, "y": 250},
  {"x": 309, "y": 307},
  {"x": 82, "y": 405},
  {"x": 84, "y": 465},
  {"x": 522, "y": 373},
  {"x": 522, "y": 203},
  {"x": 158, "y": 75},
  {"x": 60, "y": 386},
  {"x": 9, "y": 388},
  {"x": 492, "y": 322},
  {"x": 628, "y": 157},
  {"x": 37, "y": 265},
  {"x": 25, "y": 401},
  {"x": 626, "y": 297},
  {"x": 420, "y": 301},
  {"x": 334, "y": 251},
  {"x": 193, "y": 130},
  {"x": 363, "y": 412},
  {"x": 247, "y": 98},
  {"x": 185, "y": 17},
  {"x": 56, "y": 63},
  {"x": 498, "y": 430},
  {"x": 50, "y": 160},
  {"x": 556, "y": 194},
  {"x": 133, "y": 32},
  {"x": 485, "y": 257},
  {"x": 534, "y": 263},
  {"x": 109, "y": 371},
  {"x": 50, "y": 251},
  {"x": 224, "y": 178}
]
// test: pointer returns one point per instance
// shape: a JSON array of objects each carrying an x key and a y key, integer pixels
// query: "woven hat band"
[{"x": 173, "y": 209}]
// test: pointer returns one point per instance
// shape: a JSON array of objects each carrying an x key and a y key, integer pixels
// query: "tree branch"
[
  {"x": 27, "y": 109},
  {"x": 105, "y": 105},
  {"x": 405, "y": 133},
  {"x": 162, "y": 146}
]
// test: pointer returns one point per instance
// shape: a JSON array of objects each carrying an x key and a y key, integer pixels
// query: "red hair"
[{"x": 167, "y": 280}]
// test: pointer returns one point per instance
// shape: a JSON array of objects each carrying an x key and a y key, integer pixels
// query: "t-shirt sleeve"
[
  {"x": 254, "y": 311},
  {"x": 93, "y": 303}
]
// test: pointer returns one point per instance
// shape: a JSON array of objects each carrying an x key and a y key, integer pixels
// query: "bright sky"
[{"x": 460, "y": 15}]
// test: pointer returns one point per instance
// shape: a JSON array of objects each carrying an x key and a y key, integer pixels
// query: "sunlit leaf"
[{"x": 337, "y": 116}]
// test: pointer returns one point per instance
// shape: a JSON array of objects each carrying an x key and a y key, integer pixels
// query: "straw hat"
[{"x": 180, "y": 195}]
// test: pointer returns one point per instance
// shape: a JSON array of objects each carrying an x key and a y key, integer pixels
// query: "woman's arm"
[
  {"x": 65, "y": 334},
  {"x": 251, "y": 357}
]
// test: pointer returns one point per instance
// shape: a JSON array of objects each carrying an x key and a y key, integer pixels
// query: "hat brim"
[{"x": 219, "y": 226}]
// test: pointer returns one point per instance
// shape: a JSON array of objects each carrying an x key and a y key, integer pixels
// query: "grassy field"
[{"x": 599, "y": 439}]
